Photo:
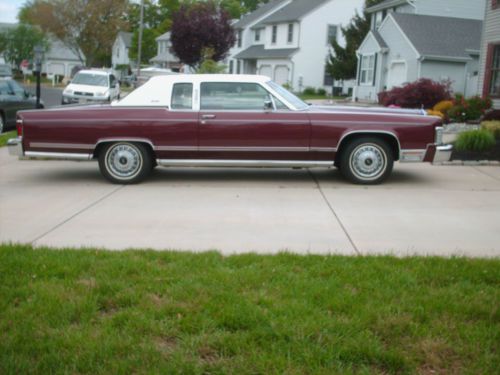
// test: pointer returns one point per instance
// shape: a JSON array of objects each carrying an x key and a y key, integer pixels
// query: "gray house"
[
  {"x": 489, "y": 72},
  {"x": 165, "y": 57},
  {"x": 410, "y": 40}
]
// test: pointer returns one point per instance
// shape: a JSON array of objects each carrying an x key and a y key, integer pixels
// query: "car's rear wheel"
[
  {"x": 367, "y": 161},
  {"x": 125, "y": 162},
  {"x": 2, "y": 123}
]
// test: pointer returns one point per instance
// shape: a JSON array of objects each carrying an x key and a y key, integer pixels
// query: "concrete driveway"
[{"x": 422, "y": 210}]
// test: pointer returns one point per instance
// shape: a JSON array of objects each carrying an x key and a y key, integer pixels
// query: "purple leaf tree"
[{"x": 200, "y": 26}]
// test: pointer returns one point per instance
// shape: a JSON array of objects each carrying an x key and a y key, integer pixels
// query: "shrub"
[
  {"x": 424, "y": 93},
  {"x": 493, "y": 127},
  {"x": 475, "y": 140},
  {"x": 493, "y": 115},
  {"x": 309, "y": 91},
  {"x": 432, "y": 112},
  {"x": 468, "y": 109},
  {"x": 321, "y": 92},
  {"x": 443, "y": 106}
]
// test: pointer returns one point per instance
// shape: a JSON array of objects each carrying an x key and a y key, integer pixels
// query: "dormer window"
[
  {"x": 290, "y": 33},
  {"x": 274, "y": 36},
  {"x": 257, "y": 35}
]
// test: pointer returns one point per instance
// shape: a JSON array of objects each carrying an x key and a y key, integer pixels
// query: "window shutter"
[
  {"x": 375, "y": 69},
  {"x": 360, "y": 62},
  {"x": 487, "y": 70}
]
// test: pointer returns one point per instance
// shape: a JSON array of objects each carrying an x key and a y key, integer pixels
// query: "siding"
[{"x": 491, "y": 34}]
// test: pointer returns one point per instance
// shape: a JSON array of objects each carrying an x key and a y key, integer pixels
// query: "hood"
[
  {"x": 368, "y": 110},
  {"x": 86, "y": 88}
]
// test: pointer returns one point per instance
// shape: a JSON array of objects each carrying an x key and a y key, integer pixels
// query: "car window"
[
  {"x": 112, "y": 81},
  {"x": 91, "y": 79},
  {"x": 233, "y": 96},
  {"x": 279, "y": 104},
  {"x": 182, "y": 96},
  {"x": 4, "y": 88},
  {"x": 16, "y": 88}
]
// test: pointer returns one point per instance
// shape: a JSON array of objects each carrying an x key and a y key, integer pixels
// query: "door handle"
[{"x": 208, "y": 117}]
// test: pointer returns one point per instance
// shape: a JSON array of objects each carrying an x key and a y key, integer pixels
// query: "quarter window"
[
  {"x": 367, "y": 70},
  {"x": 182, "y": 96},
  {"x": 274, "y": 35},
  {"x": 233, "y": 96}
]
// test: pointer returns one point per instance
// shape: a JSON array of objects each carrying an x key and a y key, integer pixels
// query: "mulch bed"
[{"x": 492, "y": 154}]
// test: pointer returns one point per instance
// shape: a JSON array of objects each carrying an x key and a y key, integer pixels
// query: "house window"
[
  {"x": 327, "y": 79},
  {"x": 118, "y": 52},
  {"x": 332, "y": 33},
  {"x": 290, "y": 33},
  {"x": 240, "y": 37},
  {"x": 238, "y": 67},
  {"x": 257, "y": 35},
  {"x": 274, "y": 35},
  {"x": 231, "y": 67},
  {"x": 367, "y": 70},
  {"x": 492, "y": 79}
]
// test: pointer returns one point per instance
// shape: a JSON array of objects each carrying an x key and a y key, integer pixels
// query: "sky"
[{"x": 9, "y": 10}]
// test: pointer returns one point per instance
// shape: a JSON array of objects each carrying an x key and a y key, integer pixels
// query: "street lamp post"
[{"x": 38, "y": 52}]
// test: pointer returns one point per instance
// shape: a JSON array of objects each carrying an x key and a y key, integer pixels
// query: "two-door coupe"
[{"x": 228, "y": 121}]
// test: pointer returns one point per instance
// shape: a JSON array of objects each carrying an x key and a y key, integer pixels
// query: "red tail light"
[{"x": 19, "y": 127}]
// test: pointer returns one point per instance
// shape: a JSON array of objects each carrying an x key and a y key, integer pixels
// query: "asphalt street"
[
  {"x": 51, "y": 96},
  {"x": 421, "y": 210}
]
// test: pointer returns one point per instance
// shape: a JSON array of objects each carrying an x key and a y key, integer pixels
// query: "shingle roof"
[
  {"x": 257, "y": 13},
  {"x": 384, "y": 5},
  {"x": 292, "y": 12},
  {"x": 165, "y": 36},
  {"x": 127, "y": 38},
  {"x": 381, "y": 42},
  {"x": 441, "y": 36},
  {"x": 259, "y": 52}
]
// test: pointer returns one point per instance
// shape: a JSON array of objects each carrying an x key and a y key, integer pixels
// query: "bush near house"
[
  {"x": 309, "y": 91},
  {"x": 493, "y": 127},
  {"x": 471, "y": 109},
  {"x": 475, "y": 140},
  {"x": 321, "y": 92},
  {"x": 424, "y": 93}
]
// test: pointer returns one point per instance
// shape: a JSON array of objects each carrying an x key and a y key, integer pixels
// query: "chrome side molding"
[
  {"x": 56, "y": 156},
  {"x": 243, "y": 163}
]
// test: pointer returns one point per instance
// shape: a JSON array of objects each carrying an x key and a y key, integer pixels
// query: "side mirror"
[
  {"x": 268, "y": 105},
  {"x": 27, "y": 94}
]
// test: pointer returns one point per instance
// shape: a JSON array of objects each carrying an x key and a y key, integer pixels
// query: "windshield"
[
  {"x": 288, "y": 96},
  {"x": 91, "y": 79},
  {"x": 5, "y": 70}
]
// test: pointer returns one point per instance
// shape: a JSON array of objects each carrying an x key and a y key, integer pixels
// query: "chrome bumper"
[
  {"x": 443, "y": 153},
  {"x": 15, "y": 146}
]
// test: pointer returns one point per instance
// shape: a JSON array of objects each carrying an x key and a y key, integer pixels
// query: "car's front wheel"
[
  {"x": 367, "y": 161},
  {"x": 125, "y": 162},
  {"x": 2, "y": 123}
]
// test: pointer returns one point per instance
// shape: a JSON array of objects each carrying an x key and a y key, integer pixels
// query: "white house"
[
  {"x": 413, "y": 39},
  {"x": 289, "y": 40},
  {"x": 59, "y": 59},
  {"x": 165, "y": 57},
  {"x": 489, "y": 72},
  {"x": 121, "y": 47}
]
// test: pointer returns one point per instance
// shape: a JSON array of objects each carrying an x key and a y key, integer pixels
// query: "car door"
[
  {"x": 114, "y": 89},
  {"x": 12, "y": 99},
  {"x": 237, "y": 123}
]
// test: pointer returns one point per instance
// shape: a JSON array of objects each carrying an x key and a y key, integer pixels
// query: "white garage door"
[
  {"x": 397, "y": 74},
  {"x": 56, "y": 69},
  {"x": 266, "y": 70},
  {"x": 281, "y": 75}
]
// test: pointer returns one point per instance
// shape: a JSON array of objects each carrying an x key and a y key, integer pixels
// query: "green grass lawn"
[
  {"x": 4, "y": 137},
  {"x": 97, "y": 312}
]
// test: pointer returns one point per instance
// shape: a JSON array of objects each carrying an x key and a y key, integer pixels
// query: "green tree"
[
  {"x": 342, "y": 63},
  {"x": 17, "y": 44},
  {"x": 149, "y": 45},
  {"x": 209, "y": 65}
]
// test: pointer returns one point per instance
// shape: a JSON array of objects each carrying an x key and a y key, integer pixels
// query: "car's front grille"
[{"x": 83, "y": 93}]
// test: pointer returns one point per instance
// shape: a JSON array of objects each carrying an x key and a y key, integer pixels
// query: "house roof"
[
  {"x": 126, "y": 37},
  {"x": 384, "y": 5},
  {"x": 381, "y": 42},
  {"x": 441, "y": 37},
  {"x": 165, "y": 36},
  {"x": 259, "y": 52},
  {"x": 261, "y": 10},
  {"x": 58, "y": 51},
  {"x": 165, "y": 57},
  {"x": 293, "y": 11}
]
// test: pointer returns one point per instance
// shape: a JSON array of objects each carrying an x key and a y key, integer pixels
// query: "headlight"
[
  {"x": 104, "y": 93},
  {"x": 68, "y": 92}
]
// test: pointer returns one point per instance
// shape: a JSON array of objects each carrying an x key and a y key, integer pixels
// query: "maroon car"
[{"x": 228, "y": 121}]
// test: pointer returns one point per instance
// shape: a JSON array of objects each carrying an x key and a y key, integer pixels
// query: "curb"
[{"x": 469, "y": 163}]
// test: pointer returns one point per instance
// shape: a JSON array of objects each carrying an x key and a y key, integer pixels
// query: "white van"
[{"x": 91, "y": 86}]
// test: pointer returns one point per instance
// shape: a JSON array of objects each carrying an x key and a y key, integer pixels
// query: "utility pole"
[{"x": 139, "y": 52}]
